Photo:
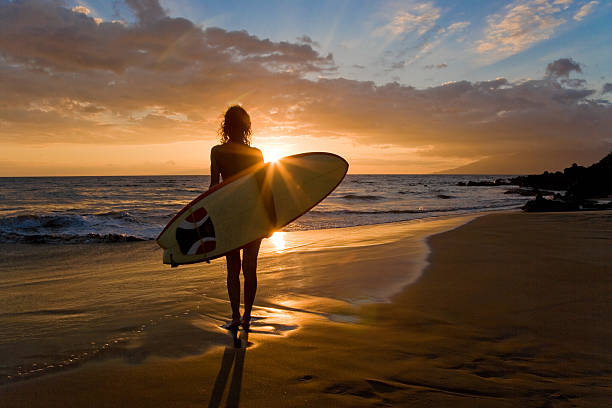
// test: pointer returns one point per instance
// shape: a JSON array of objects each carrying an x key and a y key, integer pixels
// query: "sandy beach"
[{"x": 510, "y": 309}]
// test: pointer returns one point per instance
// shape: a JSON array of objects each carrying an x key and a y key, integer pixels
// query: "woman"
[{"x": 232, "y": 156}]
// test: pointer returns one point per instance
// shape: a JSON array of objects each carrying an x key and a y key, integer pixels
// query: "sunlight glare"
[
  {"x": 278, "y": 240},
  {"x": 272, "y": 154}
]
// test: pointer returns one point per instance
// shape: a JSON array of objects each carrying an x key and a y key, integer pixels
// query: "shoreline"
[
  {"x": 125, "y": 238},
  {"x": 472, "y": 330},
  {"x": 283, "y": 258}
]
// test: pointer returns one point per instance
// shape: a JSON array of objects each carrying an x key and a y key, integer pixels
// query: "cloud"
[
  {"x": 458, "y": 26},
  {"x": 72, "y": 41},
  {"x": 147, "y": 11},
  {"x": 585, "y": 10},
  {"x": 411, "y": 31},
  {"x": 522, "y": 24},
  {"x": 409, "y": 54},
  {"x": 562, "y": 68},
  {"x": 164, "y": 80},
  {"x": 437, "y": 66},
  {"x": 118, "y": 71},
  {"x": 307, "y": 40},
  {"x": 397, "y": 65},
  {"x": 418, "y": 18},
  {"x": 574, "y": 82},
  {"x": 82, "y": 10}
]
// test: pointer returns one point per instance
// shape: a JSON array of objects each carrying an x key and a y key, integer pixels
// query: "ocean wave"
[
  {"x": 68, "y": 227},
  {"x": 361, "y": 197},
  {"x": 92, "y": 237},
  {"x": 403, "y": 211},
  {"x": 33, "y": 222},
  {"x": 118, "y": 215},
  {"x": 362, "y": 182}
]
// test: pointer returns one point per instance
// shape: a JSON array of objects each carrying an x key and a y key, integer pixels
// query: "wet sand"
[{"x": 513, "y": 310}]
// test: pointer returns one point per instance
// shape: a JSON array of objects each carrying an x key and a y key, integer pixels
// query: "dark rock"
[
  {"x": 540, "y": 204},
  {"x": 579, "y": 182},
  {"x": 546, "y": 180},
  {"x": 502, "y": 182},
  {"x": 594, "y": 205},
  {"x": 444, "y": 196},
  {"x": 462, "y": 184},
  {"x": 527, "y": 192}
]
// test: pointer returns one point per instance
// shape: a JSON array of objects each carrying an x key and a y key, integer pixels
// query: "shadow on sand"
[{"x": 232, "y": 356}]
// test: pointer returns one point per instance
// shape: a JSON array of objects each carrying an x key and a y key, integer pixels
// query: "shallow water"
[{"x": 63, "y": 305}]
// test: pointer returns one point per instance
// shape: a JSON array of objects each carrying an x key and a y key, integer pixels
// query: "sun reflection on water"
[{"x": 278, "y": 240}]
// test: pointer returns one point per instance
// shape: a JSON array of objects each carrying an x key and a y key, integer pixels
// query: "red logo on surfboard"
[{"x": 196, "y": 233}]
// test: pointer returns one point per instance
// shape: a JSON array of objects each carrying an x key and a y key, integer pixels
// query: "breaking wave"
[{"x": 112, "y": 226}]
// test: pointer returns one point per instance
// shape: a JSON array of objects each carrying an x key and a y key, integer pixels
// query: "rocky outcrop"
[
  {"x": 582, "y": 185},
  {"x": 579, "y": 182},
  {"x": 540, "y": 204},
  {"x": 528, "y": 192}
]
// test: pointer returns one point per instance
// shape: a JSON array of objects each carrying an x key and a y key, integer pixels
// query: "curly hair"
[{"x": 235, "y": 126}]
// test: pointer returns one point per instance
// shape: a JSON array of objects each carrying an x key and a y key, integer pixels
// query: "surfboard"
[{"x": 250, "y": 206}]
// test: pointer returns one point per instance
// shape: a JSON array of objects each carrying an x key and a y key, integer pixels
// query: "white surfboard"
[{"x": 249, "y": 206}]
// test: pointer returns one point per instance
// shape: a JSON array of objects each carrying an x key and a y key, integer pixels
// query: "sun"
[{"x": 272, "y": 154}]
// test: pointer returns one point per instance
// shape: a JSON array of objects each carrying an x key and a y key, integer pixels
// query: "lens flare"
[{"x": 272, "y": 154}]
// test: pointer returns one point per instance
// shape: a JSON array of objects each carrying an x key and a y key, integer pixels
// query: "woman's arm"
[{"x": 214, "y": 168}]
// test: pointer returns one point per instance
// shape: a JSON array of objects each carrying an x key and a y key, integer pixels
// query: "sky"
[{"x": 139, "y": 86}]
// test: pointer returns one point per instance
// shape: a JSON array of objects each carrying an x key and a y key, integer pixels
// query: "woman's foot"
[
  {"x": 234, "y": 325},
  {"x": 245, "y": 322}
]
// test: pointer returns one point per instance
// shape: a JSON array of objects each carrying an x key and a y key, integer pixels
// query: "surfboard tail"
[{"x": 167, "y": 258}]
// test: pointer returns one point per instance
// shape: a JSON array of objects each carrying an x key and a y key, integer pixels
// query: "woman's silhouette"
[{"x": 232, "y": 156}]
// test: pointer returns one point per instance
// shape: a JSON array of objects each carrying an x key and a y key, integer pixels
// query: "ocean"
[
  {"x": 64, "y": 210},
  {"x": 81, "y": 277}
]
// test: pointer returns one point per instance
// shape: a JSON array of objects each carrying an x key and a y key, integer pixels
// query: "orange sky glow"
[{"x": 82, "y": 95}]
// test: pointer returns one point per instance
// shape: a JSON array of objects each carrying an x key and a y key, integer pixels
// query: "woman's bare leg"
[
  {"x": 233, "y": 283},
  {"x": 249, "y": 270}
]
